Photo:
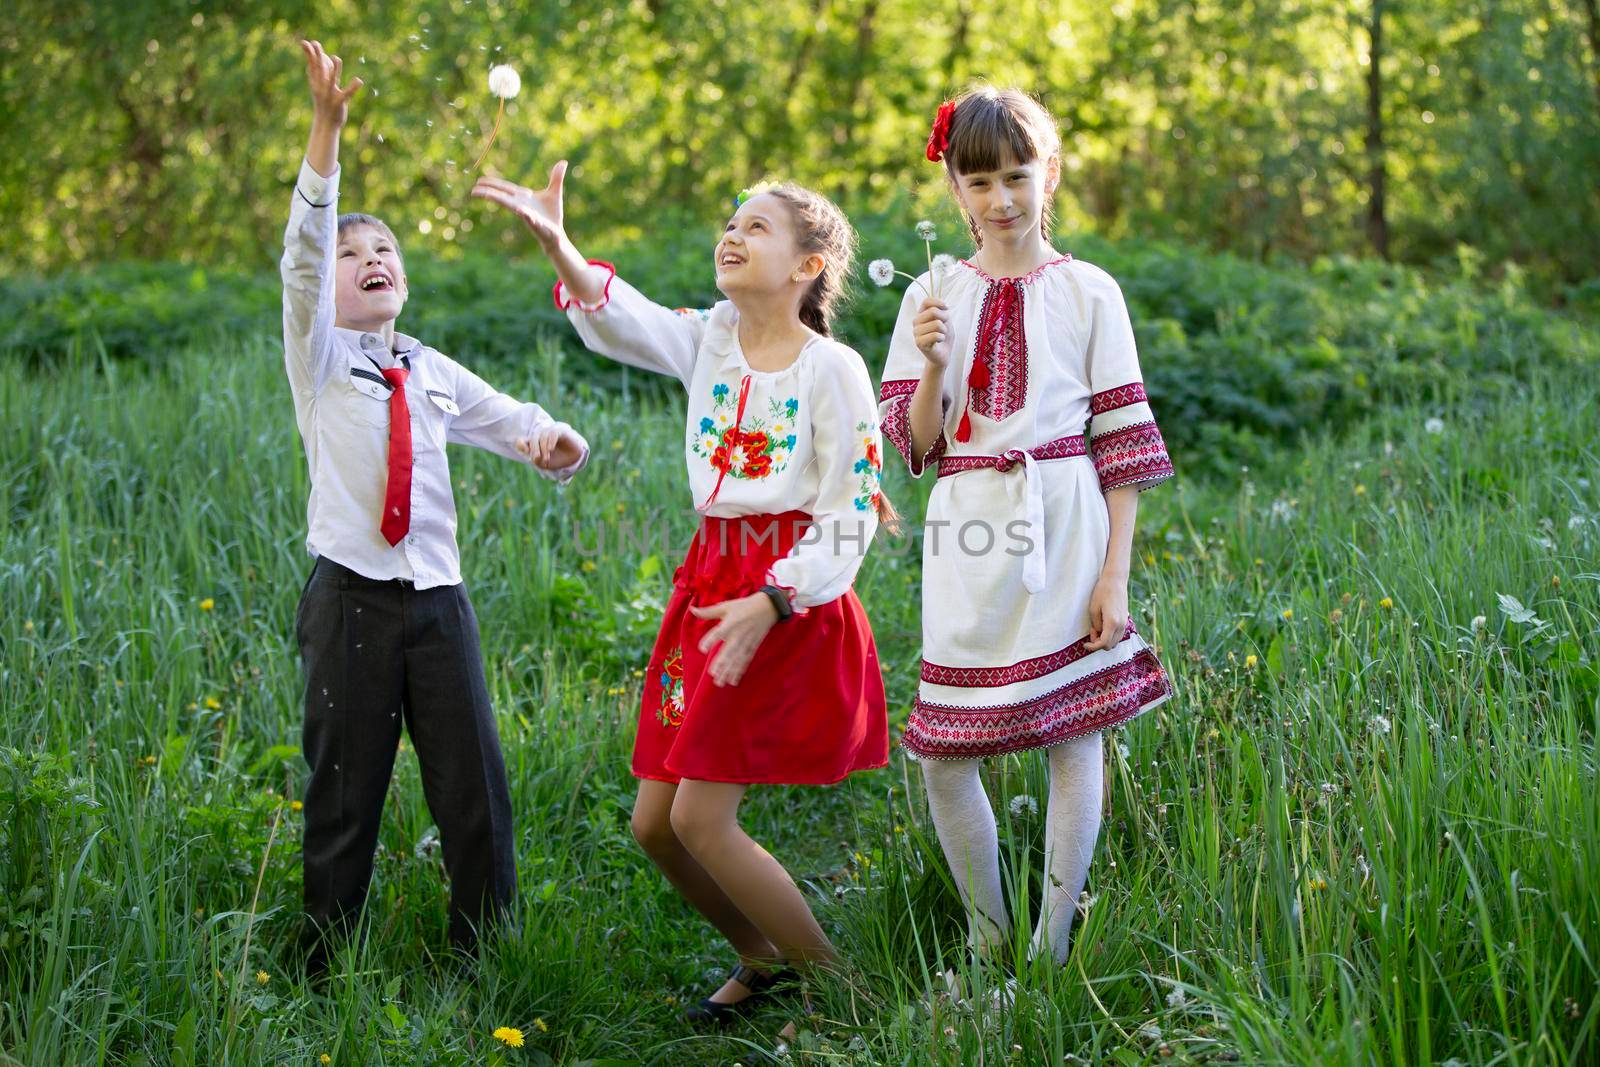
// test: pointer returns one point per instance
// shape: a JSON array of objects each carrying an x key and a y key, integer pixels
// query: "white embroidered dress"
[
  {"x": 1045, "y": 378},
  {"x": 804, "y": 438}
]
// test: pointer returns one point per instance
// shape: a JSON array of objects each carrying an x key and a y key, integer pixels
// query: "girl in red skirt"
[{"x": 784, "y": 455}]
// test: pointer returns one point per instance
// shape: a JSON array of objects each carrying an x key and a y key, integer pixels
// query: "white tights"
[{"x": 966, "y": 826}]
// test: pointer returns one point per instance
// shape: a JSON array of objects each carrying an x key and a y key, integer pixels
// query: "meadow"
[{"x": 1365, "y": 831}]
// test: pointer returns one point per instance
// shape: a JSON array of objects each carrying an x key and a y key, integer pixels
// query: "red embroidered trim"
[
  {"x": 895, "y": 422},
  {"x": 1001, "y": 389},
  {"x": 564, "y": 302},
  {"x": 1025, "y": 671},
  {"x": 1032, "y": 275},
  {"x": 1060, "y": 448},
  {"x": 1133, "y": 455},
  {"x": 1102, "y": 700},
  {"x": 1120, "y": 397}
]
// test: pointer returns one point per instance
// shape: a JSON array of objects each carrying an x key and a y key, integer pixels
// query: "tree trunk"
[
  {"x": 1592, "y": 8},
  {"x": 1377, "y": 170}
]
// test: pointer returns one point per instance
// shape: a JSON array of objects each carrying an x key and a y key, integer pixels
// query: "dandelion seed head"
[
  {"x": 881, "y": 271},
  {"x": 925, "y": 230}
]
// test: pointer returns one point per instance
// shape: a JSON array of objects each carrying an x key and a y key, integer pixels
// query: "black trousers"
[{"x": 375, "y": 651}]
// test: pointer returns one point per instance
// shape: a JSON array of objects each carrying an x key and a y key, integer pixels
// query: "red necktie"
[{"x": 397, "y": 498}]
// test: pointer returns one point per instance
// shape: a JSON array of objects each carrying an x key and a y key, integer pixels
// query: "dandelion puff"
[
  {"x": 1479, "y": 622},
  {"x": 881, "y": 271},
  {"x": 1177, "y": 999},
  {"x": 505, "y": 83},
  {"x": 926, "y": 231},
  {"x": 943, "y": 262},
  {"x": 1379, "y": 725},
  {"x": 1434, "y": 426},
  {"x": 1022, "y": 802}
]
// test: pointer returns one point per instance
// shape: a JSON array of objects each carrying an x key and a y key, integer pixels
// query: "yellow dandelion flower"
[
  {"x": 538, "y": 1024},
  {"x": 589, "y": 566},
  {"x": 1335, "y": 615},
  {"x": 1250, "y": 661},
  {"x": 295, "y": 805},
  {"x": 27, "y": 627},
  {"x": 213, "y": 704},
  {"x": 1360, "y": 490},
  {"x": 1318, "y": 883},
  {"x": 207, "y": 604},
  {"x": 509, "y": 1036},
  {"x": 1386, "y": 603},
  {"x": 1288, "y": 613},
  {"x": 324, "y": 1059},
  {"x": 262, "y": 978}
]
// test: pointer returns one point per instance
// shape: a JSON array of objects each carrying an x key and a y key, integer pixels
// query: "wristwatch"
[{"x": 780, "y": 601}]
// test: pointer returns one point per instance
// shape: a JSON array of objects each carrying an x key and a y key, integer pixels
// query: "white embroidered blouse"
[{"x": 804, "y": 438}]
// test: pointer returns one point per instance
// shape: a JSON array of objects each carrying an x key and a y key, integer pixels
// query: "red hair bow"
[{"x": 939, "y": 138}]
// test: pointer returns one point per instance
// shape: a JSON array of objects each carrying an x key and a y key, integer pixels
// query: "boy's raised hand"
[
  {"x": 323, "y": 72},
  {"x": 540, "y": 209}
]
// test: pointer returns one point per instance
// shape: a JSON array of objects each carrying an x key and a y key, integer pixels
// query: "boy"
[{"x": 384, "y": 623}]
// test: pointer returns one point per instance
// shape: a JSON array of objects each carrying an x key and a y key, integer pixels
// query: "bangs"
[
  {"x": 988, "y": 132},
  {"x": 357, "y": 218}
]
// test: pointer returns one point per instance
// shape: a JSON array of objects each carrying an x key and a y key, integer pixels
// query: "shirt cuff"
[
  {"x": 563, "y": 301},
  {"x": 317, "y": 190}
]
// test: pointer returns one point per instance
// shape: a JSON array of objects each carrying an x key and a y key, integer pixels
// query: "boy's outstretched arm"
[
  {"x": 309, "y": 238},
  {"x": 330, "y": 106}
]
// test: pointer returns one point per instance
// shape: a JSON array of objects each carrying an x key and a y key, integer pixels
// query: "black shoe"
[{"x": 762, "y": 987}]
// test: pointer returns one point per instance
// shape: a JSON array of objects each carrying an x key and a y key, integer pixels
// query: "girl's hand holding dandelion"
[{"x": 931, "y": 327}]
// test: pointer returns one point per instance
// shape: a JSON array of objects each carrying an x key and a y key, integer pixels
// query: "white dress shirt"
[{"x": 341, "y": 404}]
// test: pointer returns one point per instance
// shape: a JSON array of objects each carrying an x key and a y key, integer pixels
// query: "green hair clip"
[{"x": 755, "y": 190}]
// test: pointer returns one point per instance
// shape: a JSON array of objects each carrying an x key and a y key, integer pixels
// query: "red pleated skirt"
[{"x": 809, "y": 709}]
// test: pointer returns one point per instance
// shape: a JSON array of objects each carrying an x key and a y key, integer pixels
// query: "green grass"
[{"x": 1377, "y": 841}]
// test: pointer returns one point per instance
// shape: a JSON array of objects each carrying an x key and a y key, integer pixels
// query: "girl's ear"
[
  {"x": 810, "y": 267},
  {"x": 1052, "y": 175}
]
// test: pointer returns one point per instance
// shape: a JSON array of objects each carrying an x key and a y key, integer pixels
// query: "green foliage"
[
  {"x": 1363, "y": 830},
  {"x": 1238, "y": 356},
  {"x": 168, "y": 130}
]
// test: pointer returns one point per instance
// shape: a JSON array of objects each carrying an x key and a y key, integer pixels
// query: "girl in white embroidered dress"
[
  {"x": 1022, "y": 384},
  {"x": 782, "y": 430}
]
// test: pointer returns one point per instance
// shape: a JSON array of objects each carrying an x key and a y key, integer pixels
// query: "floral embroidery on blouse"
[
  {"x": 755, "y": 448},
  {"x": 670, "y": 713},
  {"x": 869, "y": 467}
]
